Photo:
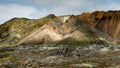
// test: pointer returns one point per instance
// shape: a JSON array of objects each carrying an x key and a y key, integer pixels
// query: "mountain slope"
[
  {"x": 45, "y": 34},
  {"x": 88, "y": 27},
  {"x": 107, "y": 22}
]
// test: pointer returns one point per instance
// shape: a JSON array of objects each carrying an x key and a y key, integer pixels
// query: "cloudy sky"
[{"x": 39, "y": 8}]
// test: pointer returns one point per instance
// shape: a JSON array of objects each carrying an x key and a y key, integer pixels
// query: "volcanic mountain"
[{"x": 87, "y": 28}]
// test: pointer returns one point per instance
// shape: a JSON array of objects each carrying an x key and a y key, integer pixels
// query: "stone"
[
  {"x": 83, "y": 65},
  {"x": 51, "y": 60},
  {"x": 28, "y": 60},
  {"x": 105, "y": 49}
]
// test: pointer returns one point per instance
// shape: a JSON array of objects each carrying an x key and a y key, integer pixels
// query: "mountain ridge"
[{"x": 90, "y": 27}]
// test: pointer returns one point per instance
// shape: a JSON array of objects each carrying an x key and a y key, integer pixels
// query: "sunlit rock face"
[
  {"x": 94, "y": 26},
  {"x": 107, "y": 22},
  {"x": 45, "y": 34}
]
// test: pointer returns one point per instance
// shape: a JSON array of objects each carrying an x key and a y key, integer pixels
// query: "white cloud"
[
  {"x": 41, "y": 8},
  {"x": 13, "y": 10},
  {"x": 77, "y": 6},
  {"x": 113, "y": 6}
]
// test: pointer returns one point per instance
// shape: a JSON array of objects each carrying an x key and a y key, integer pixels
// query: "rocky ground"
[{"x": 60, "y": 56}]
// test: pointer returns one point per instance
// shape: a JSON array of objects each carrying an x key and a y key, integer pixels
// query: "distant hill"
[{"x": 87, "y": 28}]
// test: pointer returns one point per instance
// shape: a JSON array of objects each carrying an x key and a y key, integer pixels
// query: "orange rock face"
[{"x": 107, "y": 22}]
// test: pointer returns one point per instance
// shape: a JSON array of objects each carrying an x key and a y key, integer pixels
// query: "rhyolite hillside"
[{"x": 87, "y": 28}]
